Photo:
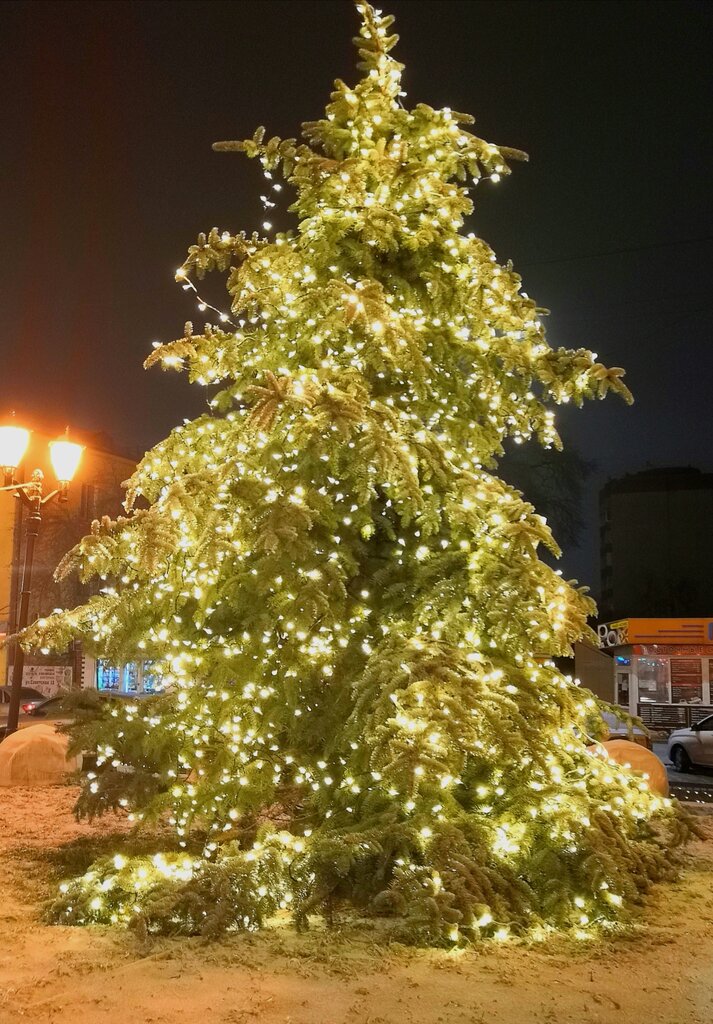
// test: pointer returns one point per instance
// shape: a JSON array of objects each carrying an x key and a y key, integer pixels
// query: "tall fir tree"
[{"x": 343, "y": 601}]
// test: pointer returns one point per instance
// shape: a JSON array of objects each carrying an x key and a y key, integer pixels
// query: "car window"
[{"x": 705, "y": 724}]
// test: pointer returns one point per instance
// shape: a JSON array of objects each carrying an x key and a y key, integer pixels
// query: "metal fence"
[{"x": 668, "y": 717}]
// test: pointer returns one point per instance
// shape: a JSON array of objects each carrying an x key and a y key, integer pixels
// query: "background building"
[
  {"x": 95, "y": 491},
  {"x": 657, "y": 544},
  {"x": 661, "y": 669}
]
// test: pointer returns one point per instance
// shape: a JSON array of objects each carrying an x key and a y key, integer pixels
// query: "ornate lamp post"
[{"x": 64, "y": 456}]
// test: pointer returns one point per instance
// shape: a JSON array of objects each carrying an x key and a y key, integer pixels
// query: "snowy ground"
[{"x": 661, "y": 973}]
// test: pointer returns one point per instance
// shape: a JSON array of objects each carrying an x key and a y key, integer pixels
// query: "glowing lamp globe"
[
  {"x": 13, "y": 445},
  {"x": 65, "y": 456}
]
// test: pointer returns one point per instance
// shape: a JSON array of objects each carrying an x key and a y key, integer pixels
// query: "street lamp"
[{"x": 64, "y": 456}]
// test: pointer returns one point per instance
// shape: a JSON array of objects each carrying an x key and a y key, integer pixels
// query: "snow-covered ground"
[{"x": 660, "y": 972}]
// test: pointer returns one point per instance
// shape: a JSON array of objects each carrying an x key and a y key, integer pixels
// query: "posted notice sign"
[{"x": 48, "y": 679}]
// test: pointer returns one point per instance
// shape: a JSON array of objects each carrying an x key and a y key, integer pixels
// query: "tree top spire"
[{"x": 374, "y": 44}]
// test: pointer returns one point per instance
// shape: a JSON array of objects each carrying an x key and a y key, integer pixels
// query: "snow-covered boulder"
[
  {"x": 36, "y": 756},
  {"x": 637, "y": 757}
]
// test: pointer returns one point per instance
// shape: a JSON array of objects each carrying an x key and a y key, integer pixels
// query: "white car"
[{"x": 694, "y": 746}]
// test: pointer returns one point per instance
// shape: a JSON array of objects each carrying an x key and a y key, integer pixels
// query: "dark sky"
[{"x": 109, "y": 111}]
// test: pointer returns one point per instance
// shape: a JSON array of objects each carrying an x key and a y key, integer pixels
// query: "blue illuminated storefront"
[{"x": 129, "y": 677}]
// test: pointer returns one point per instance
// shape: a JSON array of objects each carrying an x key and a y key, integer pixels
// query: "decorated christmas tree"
[{"x": 343, "y": 601}]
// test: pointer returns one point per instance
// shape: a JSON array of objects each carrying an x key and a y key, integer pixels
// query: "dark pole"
[{"x": 18, "y": 665}]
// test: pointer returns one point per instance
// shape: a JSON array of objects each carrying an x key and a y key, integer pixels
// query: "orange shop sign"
[{"x": 655, "y": 631}]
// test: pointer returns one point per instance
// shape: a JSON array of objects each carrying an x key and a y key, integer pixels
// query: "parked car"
[
  {"x": 29, "y": 698},
  {"x": 693, "y": 746},
  {"x": 618, "y": 731},
  {"x": 63, "y": 707}
]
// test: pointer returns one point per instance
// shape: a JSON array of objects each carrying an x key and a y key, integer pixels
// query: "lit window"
[
  {"x": 652, "y": 674},
  {"x": 107, "y": 675}
]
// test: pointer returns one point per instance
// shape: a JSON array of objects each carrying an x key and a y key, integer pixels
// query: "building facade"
[
  {"x": 656, "y": 544},
  {"x": 95, "y": 491},
  {"x": 661, "y": 669}
]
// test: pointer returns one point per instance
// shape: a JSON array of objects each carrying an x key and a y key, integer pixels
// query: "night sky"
[{"x": 107, "y": 118}]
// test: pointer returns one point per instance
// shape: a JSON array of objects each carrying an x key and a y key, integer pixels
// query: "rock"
[
  {"x": 36, "y": 756},
  {"x": 640, "y": 759}
]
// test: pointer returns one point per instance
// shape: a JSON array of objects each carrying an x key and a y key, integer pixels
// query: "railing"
[{"x": 668, "y": 717}]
